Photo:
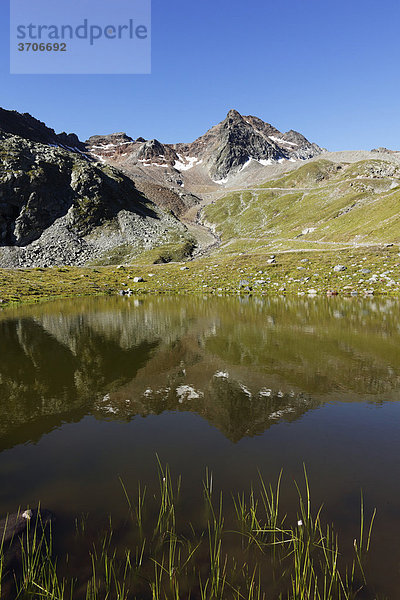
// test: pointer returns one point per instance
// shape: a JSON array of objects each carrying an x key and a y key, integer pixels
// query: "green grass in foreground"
[
  {"x": 300, "y": 271},
  {"x": 264, "y": 554}
]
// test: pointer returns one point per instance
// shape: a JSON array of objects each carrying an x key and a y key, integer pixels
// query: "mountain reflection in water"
[{"x": 242, "y": 365}]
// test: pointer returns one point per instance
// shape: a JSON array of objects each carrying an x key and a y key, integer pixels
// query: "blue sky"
[{"x": 327, "y": 69}]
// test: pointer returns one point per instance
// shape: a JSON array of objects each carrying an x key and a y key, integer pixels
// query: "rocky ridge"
[
  {"x": 29, "y": 128},
  {"x": 63, "y": 201},
  {"x": 223, "y": 151},
  {"x": 57, "y": 207}
]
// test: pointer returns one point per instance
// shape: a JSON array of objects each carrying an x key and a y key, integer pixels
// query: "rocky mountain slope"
[
  {"x": 58, "y": 207},
  {"x": 113, "y": 197},
  {"x": 63, "y": 201},
  {"x": 112, "y": 146},
  {"x": 236, "y": 141},
  {"x": 222, "y": 152},
  {"x": 29, "y": 128}
]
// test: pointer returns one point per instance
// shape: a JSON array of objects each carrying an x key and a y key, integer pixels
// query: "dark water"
[{"x": 91, "y": 390}]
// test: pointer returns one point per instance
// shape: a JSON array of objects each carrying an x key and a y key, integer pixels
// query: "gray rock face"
[
  {"x": 56, "y": 207},
  {"x": 112, "y": 139},
  {"x": 39, "y": 184},
  {"x": 228, "y": 146},
  {"x": 153, "y": 150},
  {"x": 26, "y": 126},
  {"x": 236, "y": 142},
  {"x": 301, "y": 147},
  {"x": 383, "y": 150},
  {"x": 224, "y": 149}
]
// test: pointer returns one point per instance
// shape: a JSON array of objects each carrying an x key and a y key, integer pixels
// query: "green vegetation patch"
[
  {"x": 320, "y": 201},
  {"x": 367, "y": 270}
]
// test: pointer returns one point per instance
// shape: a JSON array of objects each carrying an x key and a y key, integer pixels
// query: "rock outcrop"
[
  {"x": 63, "y": 201},
  {"x": 236, "y": 141},
  {"x": 29, "y": 128},
  {"x": 223, "y": 150},
  {"x": 58, "y": 207}
]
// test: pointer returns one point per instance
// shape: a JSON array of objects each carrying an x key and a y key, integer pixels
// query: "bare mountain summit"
[
  {"x": 224, "y": 150},
  {"x": 233, "y": 143}
]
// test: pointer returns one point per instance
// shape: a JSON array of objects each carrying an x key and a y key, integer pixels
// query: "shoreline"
[{"x": 359, "y": 272}]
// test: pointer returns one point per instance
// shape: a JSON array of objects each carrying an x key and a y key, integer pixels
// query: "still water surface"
[{"x": 91, "y": 390}]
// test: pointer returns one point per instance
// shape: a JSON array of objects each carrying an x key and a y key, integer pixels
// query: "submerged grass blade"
[{"x": 299, "y": 562}]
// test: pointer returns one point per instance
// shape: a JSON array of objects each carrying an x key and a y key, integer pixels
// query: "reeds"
[{"x": 258, "y": 555}]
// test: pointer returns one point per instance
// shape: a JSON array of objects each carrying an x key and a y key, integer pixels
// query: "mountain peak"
[
  {"x": 234, "y": 115},
  {"x": 225, "y": 149}
]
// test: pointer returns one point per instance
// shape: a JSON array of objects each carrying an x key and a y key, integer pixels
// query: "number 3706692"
[{"x": 50, "y": 47}]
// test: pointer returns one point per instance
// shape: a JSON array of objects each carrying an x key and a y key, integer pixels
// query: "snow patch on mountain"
[
  {"x": 281, "y": 141},
  {"x": 191, "y": 161}
]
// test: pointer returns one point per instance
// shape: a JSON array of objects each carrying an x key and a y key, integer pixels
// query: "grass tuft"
[{"x": 275, "y": 558}]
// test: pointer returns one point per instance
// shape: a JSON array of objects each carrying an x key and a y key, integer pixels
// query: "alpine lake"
[{"x": 152, "y": 428}]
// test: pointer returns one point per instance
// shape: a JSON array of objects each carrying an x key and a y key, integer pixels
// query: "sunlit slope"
[{"x": 320, "y": 201}]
